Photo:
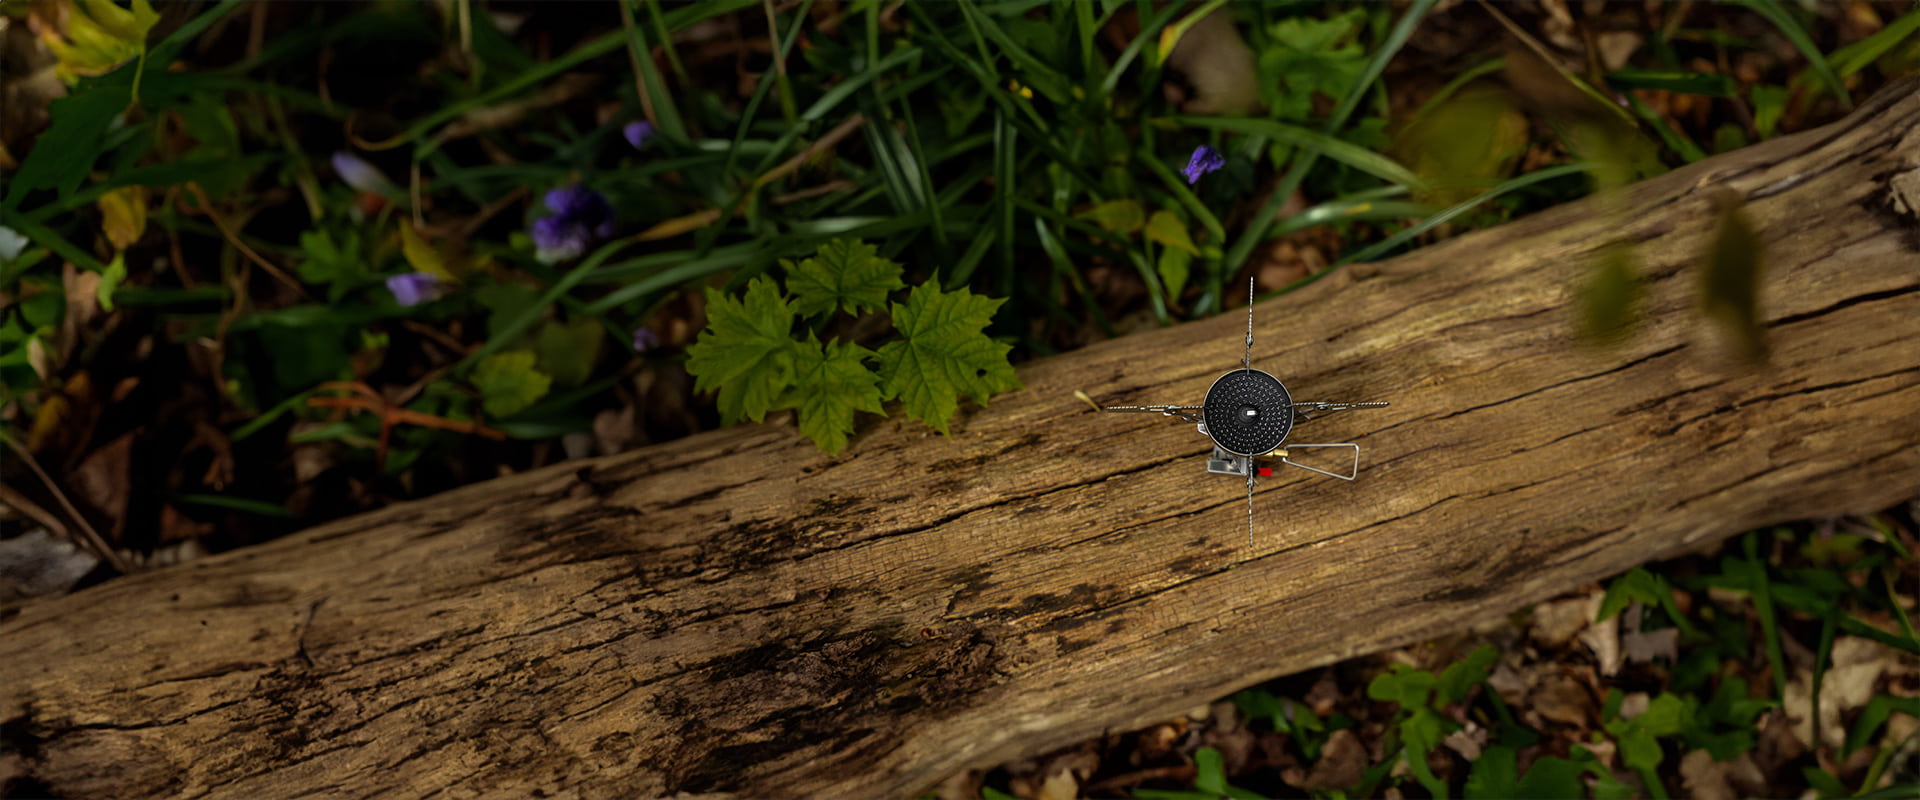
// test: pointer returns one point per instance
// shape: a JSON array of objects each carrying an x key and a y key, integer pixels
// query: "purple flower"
[
  {"x": 415, "y": 288},
  {"x": 580, "y": 216},
  {"x": 1205, "y": 159},
  {"x": 638, "y": 133},
  {"x": 645, "y": 339},
  {"x": 357, "y": 173}
]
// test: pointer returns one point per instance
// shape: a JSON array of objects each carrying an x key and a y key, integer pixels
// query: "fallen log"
[{"x": 735, "y": 613}]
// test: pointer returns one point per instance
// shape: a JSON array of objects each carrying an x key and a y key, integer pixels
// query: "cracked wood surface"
[{"x": 734, "y": 613}]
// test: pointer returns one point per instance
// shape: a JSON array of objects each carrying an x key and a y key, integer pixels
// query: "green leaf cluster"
[
  {"x": 1304, "y": 56},
  {"x": 749, "y": 356},
  {"x": 1421, "y": 696}
]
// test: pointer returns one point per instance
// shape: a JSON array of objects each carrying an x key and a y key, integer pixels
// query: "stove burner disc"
[{"x": 1248, "y": 412}]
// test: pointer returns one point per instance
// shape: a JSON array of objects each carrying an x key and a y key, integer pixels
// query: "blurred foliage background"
[{"x": 268, "y": 264}]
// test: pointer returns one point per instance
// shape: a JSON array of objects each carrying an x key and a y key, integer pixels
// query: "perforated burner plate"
[{"x": 1248, "y": 412}]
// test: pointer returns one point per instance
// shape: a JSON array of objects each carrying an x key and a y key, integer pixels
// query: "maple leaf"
[
  {"x": 846, "y": 273},
  {"x": 830, "y": 383},
  {"x": 746, "y": 352},
  {"x": 946, "y": 353}
]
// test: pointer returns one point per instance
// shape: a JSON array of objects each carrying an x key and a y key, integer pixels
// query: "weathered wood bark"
[{"x": 734, "y": 613}]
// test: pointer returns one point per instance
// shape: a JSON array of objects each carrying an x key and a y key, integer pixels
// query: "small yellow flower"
[
  {"x": 123, "y": 215},
  {"x": 94, "y": 37}
]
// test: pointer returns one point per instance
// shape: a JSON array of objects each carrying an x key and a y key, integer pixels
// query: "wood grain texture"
[{"x": 735, "y": 613}]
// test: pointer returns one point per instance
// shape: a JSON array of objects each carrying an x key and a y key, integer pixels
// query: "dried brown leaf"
[
  {"x": 104, "y": 481},
  {"x": 1343, "y": 762},
  {"x": 1559, "y": 697}
]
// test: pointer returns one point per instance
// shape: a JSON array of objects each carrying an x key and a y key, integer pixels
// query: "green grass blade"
[
  {"x": 1256, "y": 231},
  {"x": 752, "y": 109},
  {"x": 241, "y": 504},
  {"x": 1318, "y": 144},
  {"x": 903, "y": 186},
  {"x": 1821, "y": 656},
  {"x": 1776, "y": 13},
  {"x": 658, "y": 99},
  {"x": 45, "y": 237},
  {"x": 1675, "y": 140},
  {"x": 1452, "y": 86},
  {"x": 1351, "y": 210},
  {"x": 1005, "y": 185},
  {"x": 911, "y": 150},
  {"x": 1383, "y": 246},
  {"x": 534, "y": 313},
  {"x": 1855, "y": 57},
  {"x": 678, "y": 19},
  {"x": 1147, "y": 34},
  {"x": 1043, "y": 78},
  {"x": 1673, "y": 80},
  {"x": 1763, "y": 605}
]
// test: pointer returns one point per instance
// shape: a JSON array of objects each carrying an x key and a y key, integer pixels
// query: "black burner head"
[{"x": 1248, "y": 412}]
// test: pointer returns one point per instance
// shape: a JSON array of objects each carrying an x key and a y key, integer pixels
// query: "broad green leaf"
[
  {"x": 1551, "y": 778},
  {"x": 308, "y": 352},
  {"x": 1304, "y": 57},
  {"x": 1261, "y": 704},
  {"x": 422, "y": 256},
  {"x": 1619, "y": 152},
  {"x": 1638, "y": 749},
  {"x": 1724, "y": 726},
  {"x": 568, "y": 350},
  {"x": 509, "y": 383},
  {"x": 505, "y": 303},
  {"x": 1210, "y": 773},
  {"x": 80, "y": 121},
  {"x": 1166, "y": 229},
  {"x": 1404, "y": 685},
  {"x": 1173, "y": 267},
  {"x": 1769, "y": 104},
  {"x": 340, "y": 267},
  {"x": 1648, "y": 589},
  {"x": 746, "y": 353},
  {"x": 830, "y": 383},
  {"x": 1423, "y": 732},
  {"x": 1495, "y": 775},
  {"x": 945, "y": 354},
  {"x": 1460, "y": 677},
  {"x": 1118, "y": 216},
  {"x": 844, "y": 273},
  {"x": 1666, "y": 715},
  {"x": 1464, "y": 144}
]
